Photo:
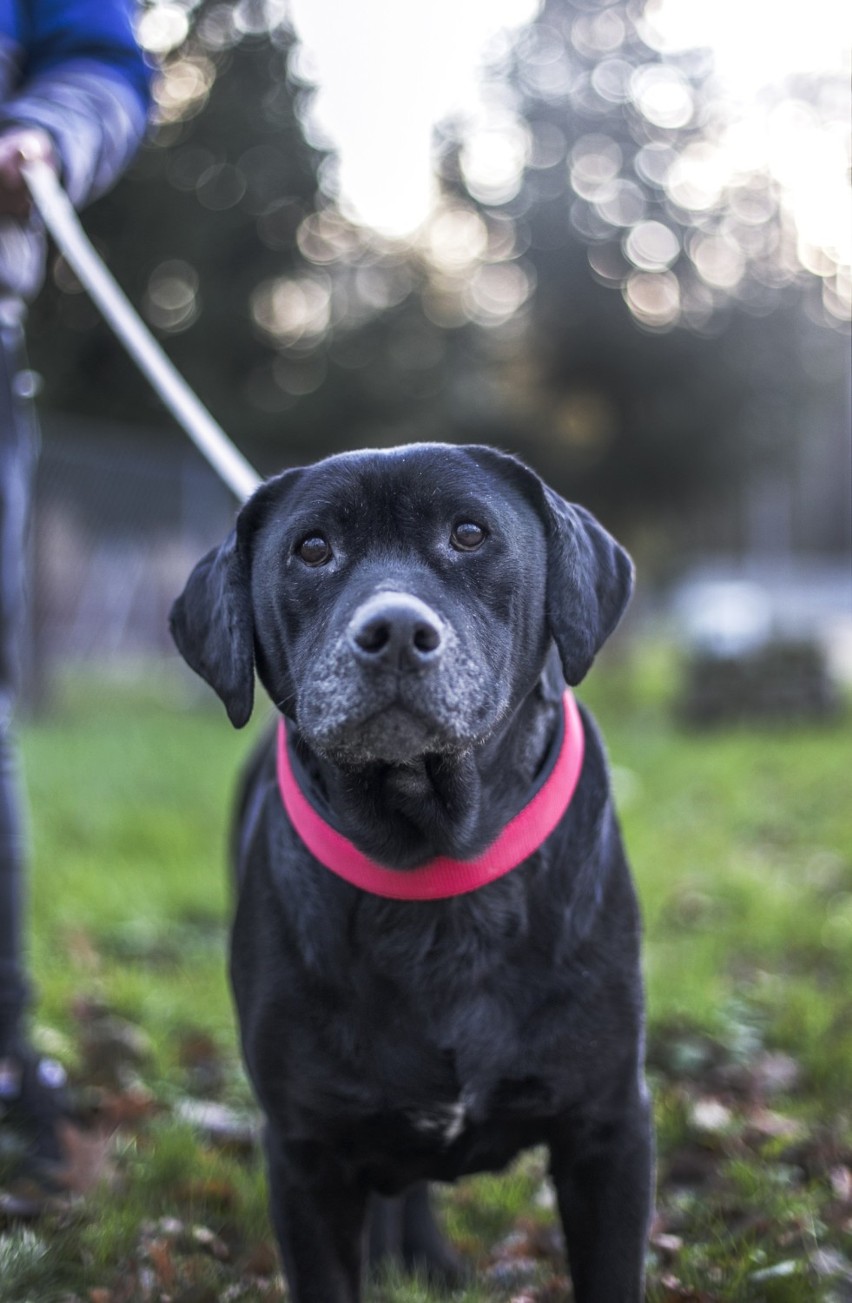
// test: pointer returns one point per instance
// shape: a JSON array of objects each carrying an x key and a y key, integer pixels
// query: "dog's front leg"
[
  {"x": 319, "y": 1223},
  {"x": 404, "y": 1231},
  {"x": 604, "y": 1191}
]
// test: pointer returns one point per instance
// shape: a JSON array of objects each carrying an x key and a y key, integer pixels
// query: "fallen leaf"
[
  {"x": 710, "y": 1115},
  {"x": 263, "y": 1260},
  {"x": 841, "y": 1182},
  {"x": 160, "y": 1256},
  {"x": 126, "y": 1107},
  {"x": 667, "y": 1244},
  {"x": 81, "y": 950},
  {"x": 219, "y": 1193},
  {"x": 832, "y": 1264},
  {"x": 86, "y": 1158},
  {"x": 220, "y": 1124},
  {"x": 776, "y": 1074},
  {"x": 112, "y": 1048},
  {"x": 765, "y": 1122},
  {"x": 778, "y": 1271},
  {"x": 210, "y": 1241}
]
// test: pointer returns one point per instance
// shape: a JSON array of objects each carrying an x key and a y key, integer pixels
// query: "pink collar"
[{"x": 442, "y": 877}]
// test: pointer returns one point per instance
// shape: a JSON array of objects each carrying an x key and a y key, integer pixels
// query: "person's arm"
[{"x": 84, "y": 96}]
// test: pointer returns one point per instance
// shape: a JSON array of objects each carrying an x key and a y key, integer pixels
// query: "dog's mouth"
[{"x": 394, "y": 733}]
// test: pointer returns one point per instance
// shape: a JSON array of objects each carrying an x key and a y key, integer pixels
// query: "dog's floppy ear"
[
  {"x": 589, "y": 574},
  {"x": 211, "y": 624},
  {"x": 589, "y": 583}
]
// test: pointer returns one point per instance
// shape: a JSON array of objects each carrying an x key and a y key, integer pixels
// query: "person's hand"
[{"x": 18, "y": 146}]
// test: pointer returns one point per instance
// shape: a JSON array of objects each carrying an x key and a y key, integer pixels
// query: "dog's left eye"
[
  {"x": 467, "y": 535},
  {"x": 314, "y": 550}
]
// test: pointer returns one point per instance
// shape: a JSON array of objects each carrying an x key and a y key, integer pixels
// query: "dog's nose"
[{"x": 396, "y": 631}]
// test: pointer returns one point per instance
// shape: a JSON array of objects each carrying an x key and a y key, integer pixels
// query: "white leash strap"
[{"x": 62, "y": 222}]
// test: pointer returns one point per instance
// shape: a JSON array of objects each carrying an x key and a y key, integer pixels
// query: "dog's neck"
[{"x": 405, "y": 814}]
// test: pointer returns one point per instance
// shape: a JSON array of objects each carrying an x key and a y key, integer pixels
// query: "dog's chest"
[
  {"x": 444, "y": 1064},
  {"x": 446, "y": 1136},
  {"x": 422, "y": 1030}
]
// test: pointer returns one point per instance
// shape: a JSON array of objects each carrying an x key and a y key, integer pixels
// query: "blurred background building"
[{"x": 593, "y": 234}]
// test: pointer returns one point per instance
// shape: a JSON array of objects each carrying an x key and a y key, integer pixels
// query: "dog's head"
[{"x": 402, "y": 602}]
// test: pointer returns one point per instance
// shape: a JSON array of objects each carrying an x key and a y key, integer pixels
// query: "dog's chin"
[
  {"x": 396, "y": 737},
  {"x": 393, "y": 736}
]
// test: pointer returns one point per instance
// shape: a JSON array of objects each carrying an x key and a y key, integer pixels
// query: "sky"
[
  {"x": 421, "y": 59},
  {"x": 757, "y": 42},
  {"x": 422, "y": 62}
]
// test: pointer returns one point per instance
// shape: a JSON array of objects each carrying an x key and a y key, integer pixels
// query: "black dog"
[{"x": 415, "y": 614}]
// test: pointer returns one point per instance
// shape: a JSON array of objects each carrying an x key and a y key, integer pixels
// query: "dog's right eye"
[
  {"x": 314, "y": 550},
  {"x": 467, "y": 536}
]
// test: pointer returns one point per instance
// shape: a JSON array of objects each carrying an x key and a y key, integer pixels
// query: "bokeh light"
[
  {"x": 418, "y": 76},
  {"x": 651, "y": 246},
  {"x": 691, "y": 185},
  {"x": 493, "y": 158},
  {"x": 171, "y": 301},
  {"x": 182, "y": 88},
  {"x": 163, "y": 27},
  {"x": 292, "y": 309},
  {"x": 708, "y": 187},
  {"x": 654, "y": 299}
]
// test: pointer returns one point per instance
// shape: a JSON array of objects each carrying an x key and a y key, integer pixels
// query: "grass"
[{"x": 741, "y": 841}]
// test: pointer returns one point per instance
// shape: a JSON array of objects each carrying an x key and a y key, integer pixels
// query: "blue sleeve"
[
  {"x": 84, "y": 82},
  {"x": 96, "y": 31}
]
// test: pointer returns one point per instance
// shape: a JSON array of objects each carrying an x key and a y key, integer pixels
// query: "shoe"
[{"x": 32, "y": 1104}]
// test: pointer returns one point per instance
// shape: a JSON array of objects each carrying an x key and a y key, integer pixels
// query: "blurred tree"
[
  {"x": 667, "y": 346},
  {"x": 302, "y": 333},
  {"x": 201, "y": 232},
  {"x": 593, "y": 290}
]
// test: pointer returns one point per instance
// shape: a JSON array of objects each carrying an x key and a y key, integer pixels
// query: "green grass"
[
  {"x": 741, "y": 842},
  {"x": 130, "y": 803}
]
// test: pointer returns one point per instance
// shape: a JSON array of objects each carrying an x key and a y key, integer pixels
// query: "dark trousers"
[{"x": 18, "y": 439}]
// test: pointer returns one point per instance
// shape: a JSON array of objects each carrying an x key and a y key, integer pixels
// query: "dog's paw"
[{"x": 439, "y": 1265}]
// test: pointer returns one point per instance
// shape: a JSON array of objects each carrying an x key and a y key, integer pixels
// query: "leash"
[{"x": 61, "y": 220}]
